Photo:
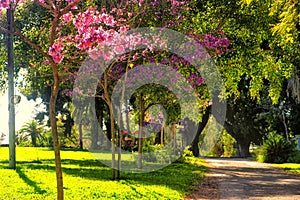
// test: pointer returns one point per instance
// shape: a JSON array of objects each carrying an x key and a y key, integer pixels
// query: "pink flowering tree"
[
  {"x": 101, "y": 33},
  {"x": 110, "y": 41},
  {"x": 57, "y": 9}
]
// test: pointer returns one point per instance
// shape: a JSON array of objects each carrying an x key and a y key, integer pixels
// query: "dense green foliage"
[
  {"x": 225, "y": 146},
  {"x": 294, "y": 158},
  {"x": 276, "y": 149},
  {"x": 87, "y": 178}
]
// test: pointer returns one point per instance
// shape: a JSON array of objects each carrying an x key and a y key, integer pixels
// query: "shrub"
[
  {"x": 148, "y": 152},
  {"x": 224, "y": 146},
  {"x": 187, "y": 152},
  {"x": 228, "y": 145},
  {"x": 275, "y": 149},
  {"x": 294, "y": 158},
  {"x": 218, "y": 149},
  {"x": 157, "y": 153}
]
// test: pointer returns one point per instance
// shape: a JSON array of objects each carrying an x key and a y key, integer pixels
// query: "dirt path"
[{"x": 244, "y": 179}]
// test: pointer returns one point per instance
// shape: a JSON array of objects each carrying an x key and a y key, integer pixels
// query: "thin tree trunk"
[
  {"x": 56, "y": 146},
  {"x": 119, "y": 141},
  {"x": 119, "y": 154},
  {"x": 140, "y": 146},
  {"x": 112, "y": 125},
  {"x": 162, "y": 134},
  {"x": 101, "y": 123},
  {"x": 112, "y": 128},
  {"x": 173, "y": 131},
  {"x": 33, "y": 140},
  {"x": 119, "y": 123},
  {"x": 285, "y": 126},
  {"x": 94, "y": 134},
  {"x": 127, "y": 118},
  {"x": 80, "y": 136}
]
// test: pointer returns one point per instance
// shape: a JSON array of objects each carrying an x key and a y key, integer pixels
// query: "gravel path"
[{"x": 244, "y": 179}]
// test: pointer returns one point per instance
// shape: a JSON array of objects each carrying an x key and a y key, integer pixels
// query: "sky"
[{"x": 25, "y": 111}]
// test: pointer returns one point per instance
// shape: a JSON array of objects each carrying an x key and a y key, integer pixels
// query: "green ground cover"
[
  {"x": 86, "y": 178},
  {"x": 290, "y": 167}
]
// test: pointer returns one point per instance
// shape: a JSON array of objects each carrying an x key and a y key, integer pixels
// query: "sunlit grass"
[
  {"x": 290, "y": 167},
  {"x": 86, "y": 178}
]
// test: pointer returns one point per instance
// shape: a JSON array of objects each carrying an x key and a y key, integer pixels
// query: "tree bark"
[
  {"x": 112, "y": 128},
  {"x": 201, "y": 126},
  {"x": 140, "y": 139},
  {"x": 33, "y": 140},
  {"x": 243, "y": 149},
  {"x": 173, "y": 132},
  {"x": 80, "y": 135},
  {"x": 162, "y": 134},
  {"x": 56, "y": 146},
  {"x": 94, "y": 134}
]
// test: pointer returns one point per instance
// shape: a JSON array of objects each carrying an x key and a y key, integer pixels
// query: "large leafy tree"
[{"x": 258, "y": 56}]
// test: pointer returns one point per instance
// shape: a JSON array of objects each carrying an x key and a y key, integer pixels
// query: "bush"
[
  {"x": 160, "y": 153},
  {"x": 294, "y": 158},
  {"x": 275, "y": 149},
  {"x": 187, "y": 152},
  {"x": 218, "y": 149},
  {"x": 148, "y": 152},
  {"x": 228, "y": 145},
  {"x": 224, "y": 146}
]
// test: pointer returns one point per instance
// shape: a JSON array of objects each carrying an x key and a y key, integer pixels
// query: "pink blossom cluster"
[
  {"x": 101, "y": 34},
  {"x": 56, "y": 52},
  {"x": 177, "y": 3},
  {"x": 67, "y": 92},
  {"x": 92, "y": 17},
  {"x": 5, "y": 4},
  {"x": 194, "y": 80},
  {"x": 215, "y": 43}
]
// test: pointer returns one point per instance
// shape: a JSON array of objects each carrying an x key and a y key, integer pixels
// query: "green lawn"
[
  {"x": 290, "y": 167},
  {"x": 86, "y": 178}
]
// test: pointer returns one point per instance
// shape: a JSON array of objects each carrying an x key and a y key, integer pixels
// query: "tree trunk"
[
  {"x": 201, "y": 126},
  {"x": 94, "y": 134},
  {"x": 285, "y": 126},
  {"x": 56, "y": 146},
  {"x": 119, "y": 154},
  {"x": 127, "y": 119},
  {"x": 162, "y": 135},
  {"x": 33, "y": 140},
  {"x": 112, "y": 128},
  {"x": 243, "y": 149},
  {"x": 173, "y": 133},
  {"x": 140, "y": 139},
  {"x": 101, "y": 123},
  {"x": 80, "y": 136}
]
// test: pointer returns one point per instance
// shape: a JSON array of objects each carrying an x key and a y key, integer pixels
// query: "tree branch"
[
  {"x": 69, "y": 7},
  {"x": 33, "y": 45},
  {"x": 48, "y": 7},
  {"x": 6, "y": 31}
]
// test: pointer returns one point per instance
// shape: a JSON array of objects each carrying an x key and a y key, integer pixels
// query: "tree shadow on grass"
[
  {"x": 177, "y": 176},
  {"x": 80, "y": 163},
  {"x": 30, "y": 182}
]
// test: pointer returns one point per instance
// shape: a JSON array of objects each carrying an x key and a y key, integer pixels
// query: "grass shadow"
[
  {"x": 30, "y": 182},
  {"x": 177, "y": 176}
]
